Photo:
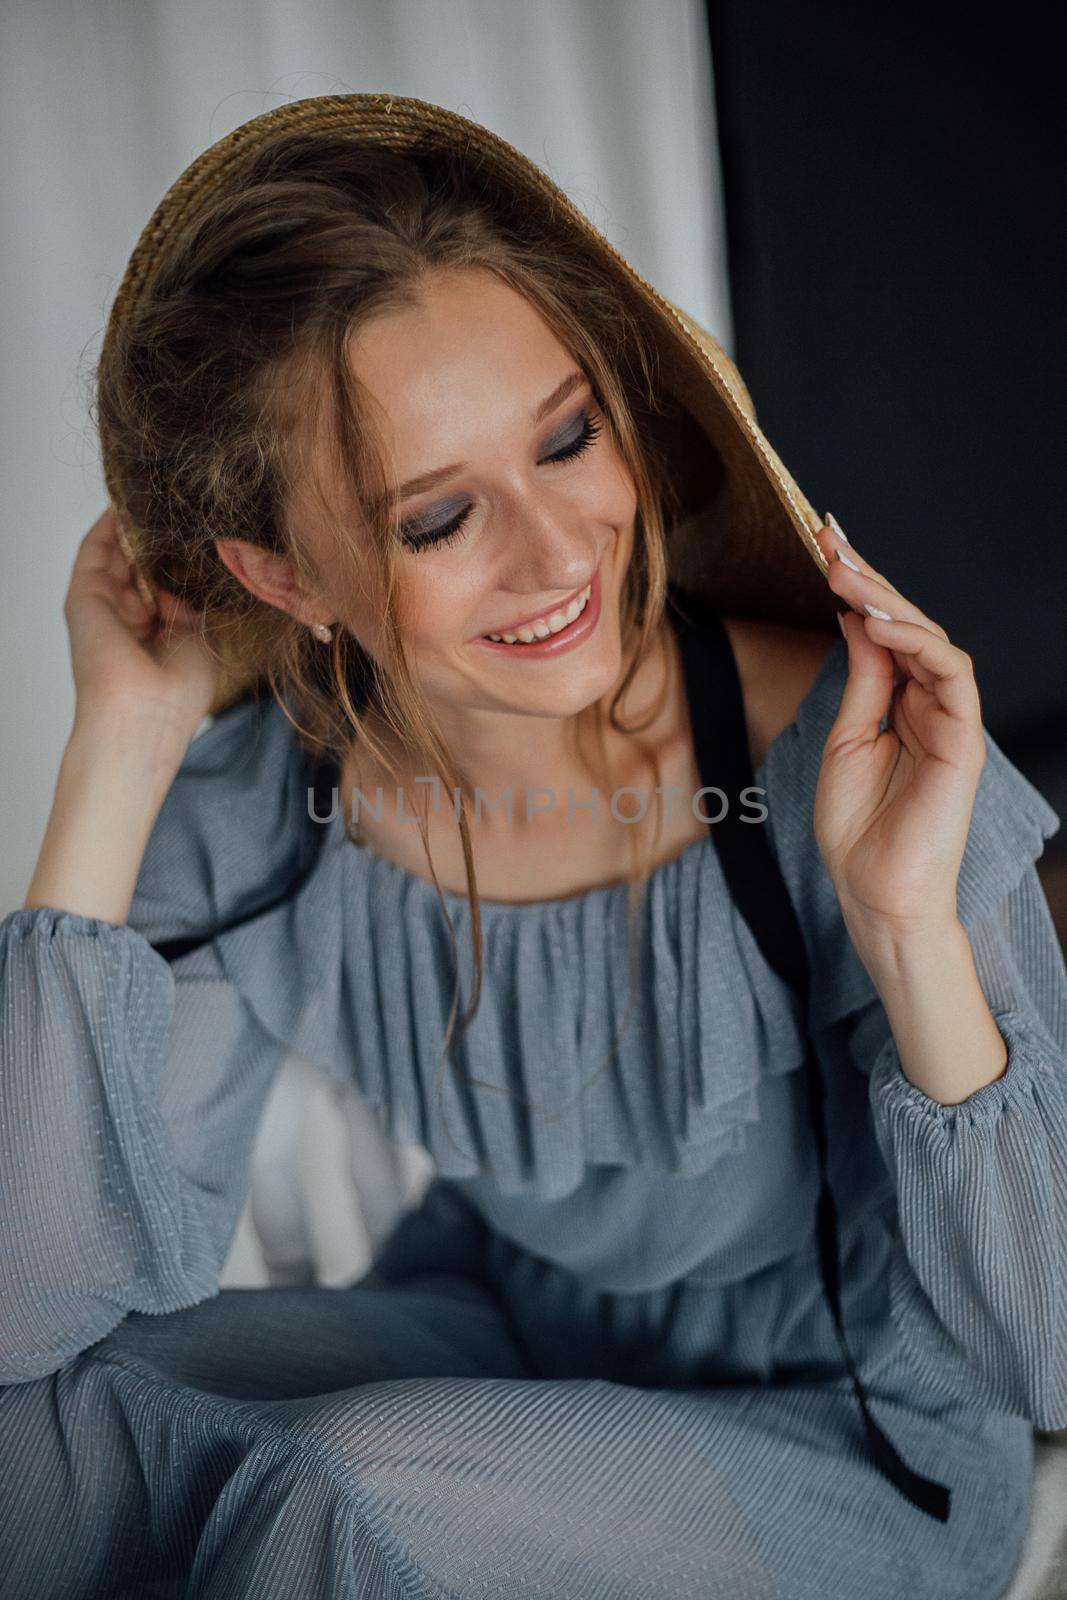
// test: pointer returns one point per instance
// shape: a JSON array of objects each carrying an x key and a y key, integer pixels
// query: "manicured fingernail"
[
  {"x": 873, "y": 611},
  {"x": 841, "y": 625},
  {"x": 847, "y": 559},
  {"x": 838, "y": 529}
]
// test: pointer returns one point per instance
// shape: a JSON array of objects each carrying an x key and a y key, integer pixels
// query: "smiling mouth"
[{"x": 544, "y": 627}]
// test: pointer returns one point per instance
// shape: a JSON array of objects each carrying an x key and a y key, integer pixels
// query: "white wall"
[{"x": 104, "y": 102}]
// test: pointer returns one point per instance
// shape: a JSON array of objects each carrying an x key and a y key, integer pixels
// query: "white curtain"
[{"x": 104, "y": 102}]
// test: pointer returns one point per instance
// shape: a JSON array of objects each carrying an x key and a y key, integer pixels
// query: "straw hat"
[{"x": 745, "y": 541}]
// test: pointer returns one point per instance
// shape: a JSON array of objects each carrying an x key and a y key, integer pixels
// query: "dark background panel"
[{"x": 895, "y": 203}]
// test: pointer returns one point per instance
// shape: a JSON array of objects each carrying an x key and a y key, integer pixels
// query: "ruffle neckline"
[{"x": 354, "y": 970}]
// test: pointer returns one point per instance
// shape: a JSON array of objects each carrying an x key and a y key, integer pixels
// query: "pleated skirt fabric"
[{"x": 395, "y": 1439}]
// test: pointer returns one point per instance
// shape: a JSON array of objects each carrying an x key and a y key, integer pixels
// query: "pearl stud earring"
[{"x": 321, "y": 631}]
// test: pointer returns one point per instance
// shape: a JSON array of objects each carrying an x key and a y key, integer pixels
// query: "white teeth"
[{"x": 555, "y": 622}]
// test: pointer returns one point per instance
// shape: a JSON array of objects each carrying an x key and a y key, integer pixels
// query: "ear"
[{"x": 269, "y": 577}]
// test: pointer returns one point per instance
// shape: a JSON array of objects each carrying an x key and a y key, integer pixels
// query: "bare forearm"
[
  {"x": 941, "y": 1023},
  {"x": 948, "y": 1042},
  {"x": 113, "y": 779}
]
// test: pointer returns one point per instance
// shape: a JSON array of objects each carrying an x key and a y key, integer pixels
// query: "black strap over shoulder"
[
  {"x": 323, "y": 777},
  {"x": 754, "y": 878}
]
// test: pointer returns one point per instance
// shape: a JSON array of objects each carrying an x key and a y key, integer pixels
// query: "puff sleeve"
[
  {"x": 980, "y": 1187},
  {"x": 130, "y": 1087}
]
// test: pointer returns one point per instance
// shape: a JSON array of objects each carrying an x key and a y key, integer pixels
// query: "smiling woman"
[
  {"x": 443, "y": 436},
  {"x": 741, "y": 1273}
]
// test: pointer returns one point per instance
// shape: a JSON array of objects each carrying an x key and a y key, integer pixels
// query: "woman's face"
[{"x": 531, "y": 501}]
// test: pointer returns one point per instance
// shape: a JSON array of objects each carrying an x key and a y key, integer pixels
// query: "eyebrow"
[{"x": 429, "y": 480}]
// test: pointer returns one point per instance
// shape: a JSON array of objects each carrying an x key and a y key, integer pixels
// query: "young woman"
[{"x": 386, "y": 442}]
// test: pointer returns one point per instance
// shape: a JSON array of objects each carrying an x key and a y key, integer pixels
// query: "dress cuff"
[
  {"x": 893, "y": 1092},
  {"x": 48, "y": 921}
]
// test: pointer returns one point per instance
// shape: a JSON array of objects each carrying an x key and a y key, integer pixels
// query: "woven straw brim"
[{"x": 746, "y": 540}]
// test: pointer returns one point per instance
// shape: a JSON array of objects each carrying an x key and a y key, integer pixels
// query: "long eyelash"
[
  {"x": 450, "y": 532},
  {"x": 590, "y": 431}
]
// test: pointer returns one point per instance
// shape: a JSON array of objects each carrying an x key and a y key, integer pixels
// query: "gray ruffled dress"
[{"x": 597, "y": 1361}]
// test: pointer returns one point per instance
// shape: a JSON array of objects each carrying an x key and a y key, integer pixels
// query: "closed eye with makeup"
[{"x": 444, "y": 524}]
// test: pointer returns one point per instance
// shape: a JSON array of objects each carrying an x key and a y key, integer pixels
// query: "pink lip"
[
  {"x": 556, "y": 643},
  {"x": 513, "y": 627}
]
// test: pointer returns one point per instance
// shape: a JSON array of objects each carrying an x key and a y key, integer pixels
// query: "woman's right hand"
[{"x": 127, "y": 661}]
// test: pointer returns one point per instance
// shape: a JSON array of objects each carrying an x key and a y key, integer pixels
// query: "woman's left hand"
[{"x": 893, "y": 808}]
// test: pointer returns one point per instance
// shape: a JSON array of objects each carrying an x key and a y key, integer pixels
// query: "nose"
[{"x": 550, "y": 556}]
